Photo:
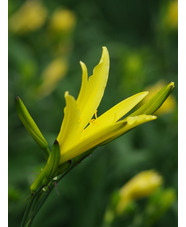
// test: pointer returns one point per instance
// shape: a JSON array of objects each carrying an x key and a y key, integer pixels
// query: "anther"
[
  {"x": 91, "y": 121},
  {"x": 96, "y": 116}
]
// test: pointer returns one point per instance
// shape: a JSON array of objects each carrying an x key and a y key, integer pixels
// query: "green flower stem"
[
  {"x": 35, "y": 203},
  {"x": 38, "y": 198}
]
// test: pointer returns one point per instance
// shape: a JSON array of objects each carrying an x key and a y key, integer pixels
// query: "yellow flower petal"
[
  {"x": 132, "y": 122},
  {"x": 119, "y": 110},
  {"x": 96, "y": 134},
  {"x": 83, "y": 83},
  {"x": 92, "y": 89},
  {"x": 88, "y": 139},
  {"x": 70, "y": 125}
]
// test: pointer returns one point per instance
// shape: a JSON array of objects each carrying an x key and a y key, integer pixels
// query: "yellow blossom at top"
[
  {"x": 62, "y": 20},
  {"x": 78, "y": 132},
  {"x": 142, "y": 185},
  {"x": 29, "y": 17},
  {"x": 171, "y": 16}
]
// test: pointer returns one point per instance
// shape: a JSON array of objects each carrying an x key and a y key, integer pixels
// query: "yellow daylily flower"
[
  {"x": 79, "y": 132},
  {"x": 170, "y": 19}
]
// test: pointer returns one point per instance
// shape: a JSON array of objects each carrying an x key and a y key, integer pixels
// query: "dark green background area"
[{"x": 130, "y": 30}]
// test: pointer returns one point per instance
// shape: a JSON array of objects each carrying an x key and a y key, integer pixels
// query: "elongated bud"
[
  {"x": 49, "y": 171},
  {"x": 155, "y": 102},
  {"x": 31, "y": 126}
]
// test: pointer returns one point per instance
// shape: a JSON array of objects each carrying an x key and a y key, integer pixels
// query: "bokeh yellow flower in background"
[
  {"x": 171, "y": 15},
  {"x": 168, "y": 18},
  {"x": 60, "y": 29},
  {"x": 168, "y": 106},
  {"x": 29, "y": 17},
  {"x": 51, "y": 75},
  {"x": 56, "y": 38},
  {"x": 142, "y": 185},
  {"x": 62, "y": 20}
]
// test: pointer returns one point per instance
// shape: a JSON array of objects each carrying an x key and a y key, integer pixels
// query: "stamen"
[
  {"x": 92, "y": 120},
  {"x": 96, "y": 116}
]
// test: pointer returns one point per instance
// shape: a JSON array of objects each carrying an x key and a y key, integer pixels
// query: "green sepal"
[
  {"x": 155, "y": 102},
  {"x": 31, "y": 126},
  {"x": 49, "y": 171}
]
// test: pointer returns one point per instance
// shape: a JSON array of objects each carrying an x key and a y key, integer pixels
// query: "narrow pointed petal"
[
  {"x": 91, "y": 139},
  {"x": 122, "y": 108},
  {"x": 92, "y": 89},
  {"x": 94, "y": 137},
  {"x": 156, "y": 101},
  {"x": 83, "y": 83},
  {"x": 131, "y": 122},
  {"x": 70, "y": 125}
]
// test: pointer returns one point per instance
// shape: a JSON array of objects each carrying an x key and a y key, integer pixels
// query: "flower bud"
[
  {"x": 49, "y": 171},
  {"x": 155, "y": 102},
  {"x": 30, "y": 125}
]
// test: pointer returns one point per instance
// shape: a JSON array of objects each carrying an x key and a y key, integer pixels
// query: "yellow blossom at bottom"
[{"x": 142, "y": 185}]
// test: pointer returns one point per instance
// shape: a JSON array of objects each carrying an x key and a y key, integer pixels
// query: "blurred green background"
[{"x": 47, "y": 39}]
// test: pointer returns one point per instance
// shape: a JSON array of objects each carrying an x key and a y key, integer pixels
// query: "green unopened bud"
[
  {"x": 31, "y": 126},
  {"x": 49, "y": 171},
  {"x": 158, "y": 204},
  {"x": 155, "y": 102}
]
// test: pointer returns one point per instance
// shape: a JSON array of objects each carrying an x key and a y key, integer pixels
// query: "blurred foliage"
[{"x": 141, "y": 37}]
